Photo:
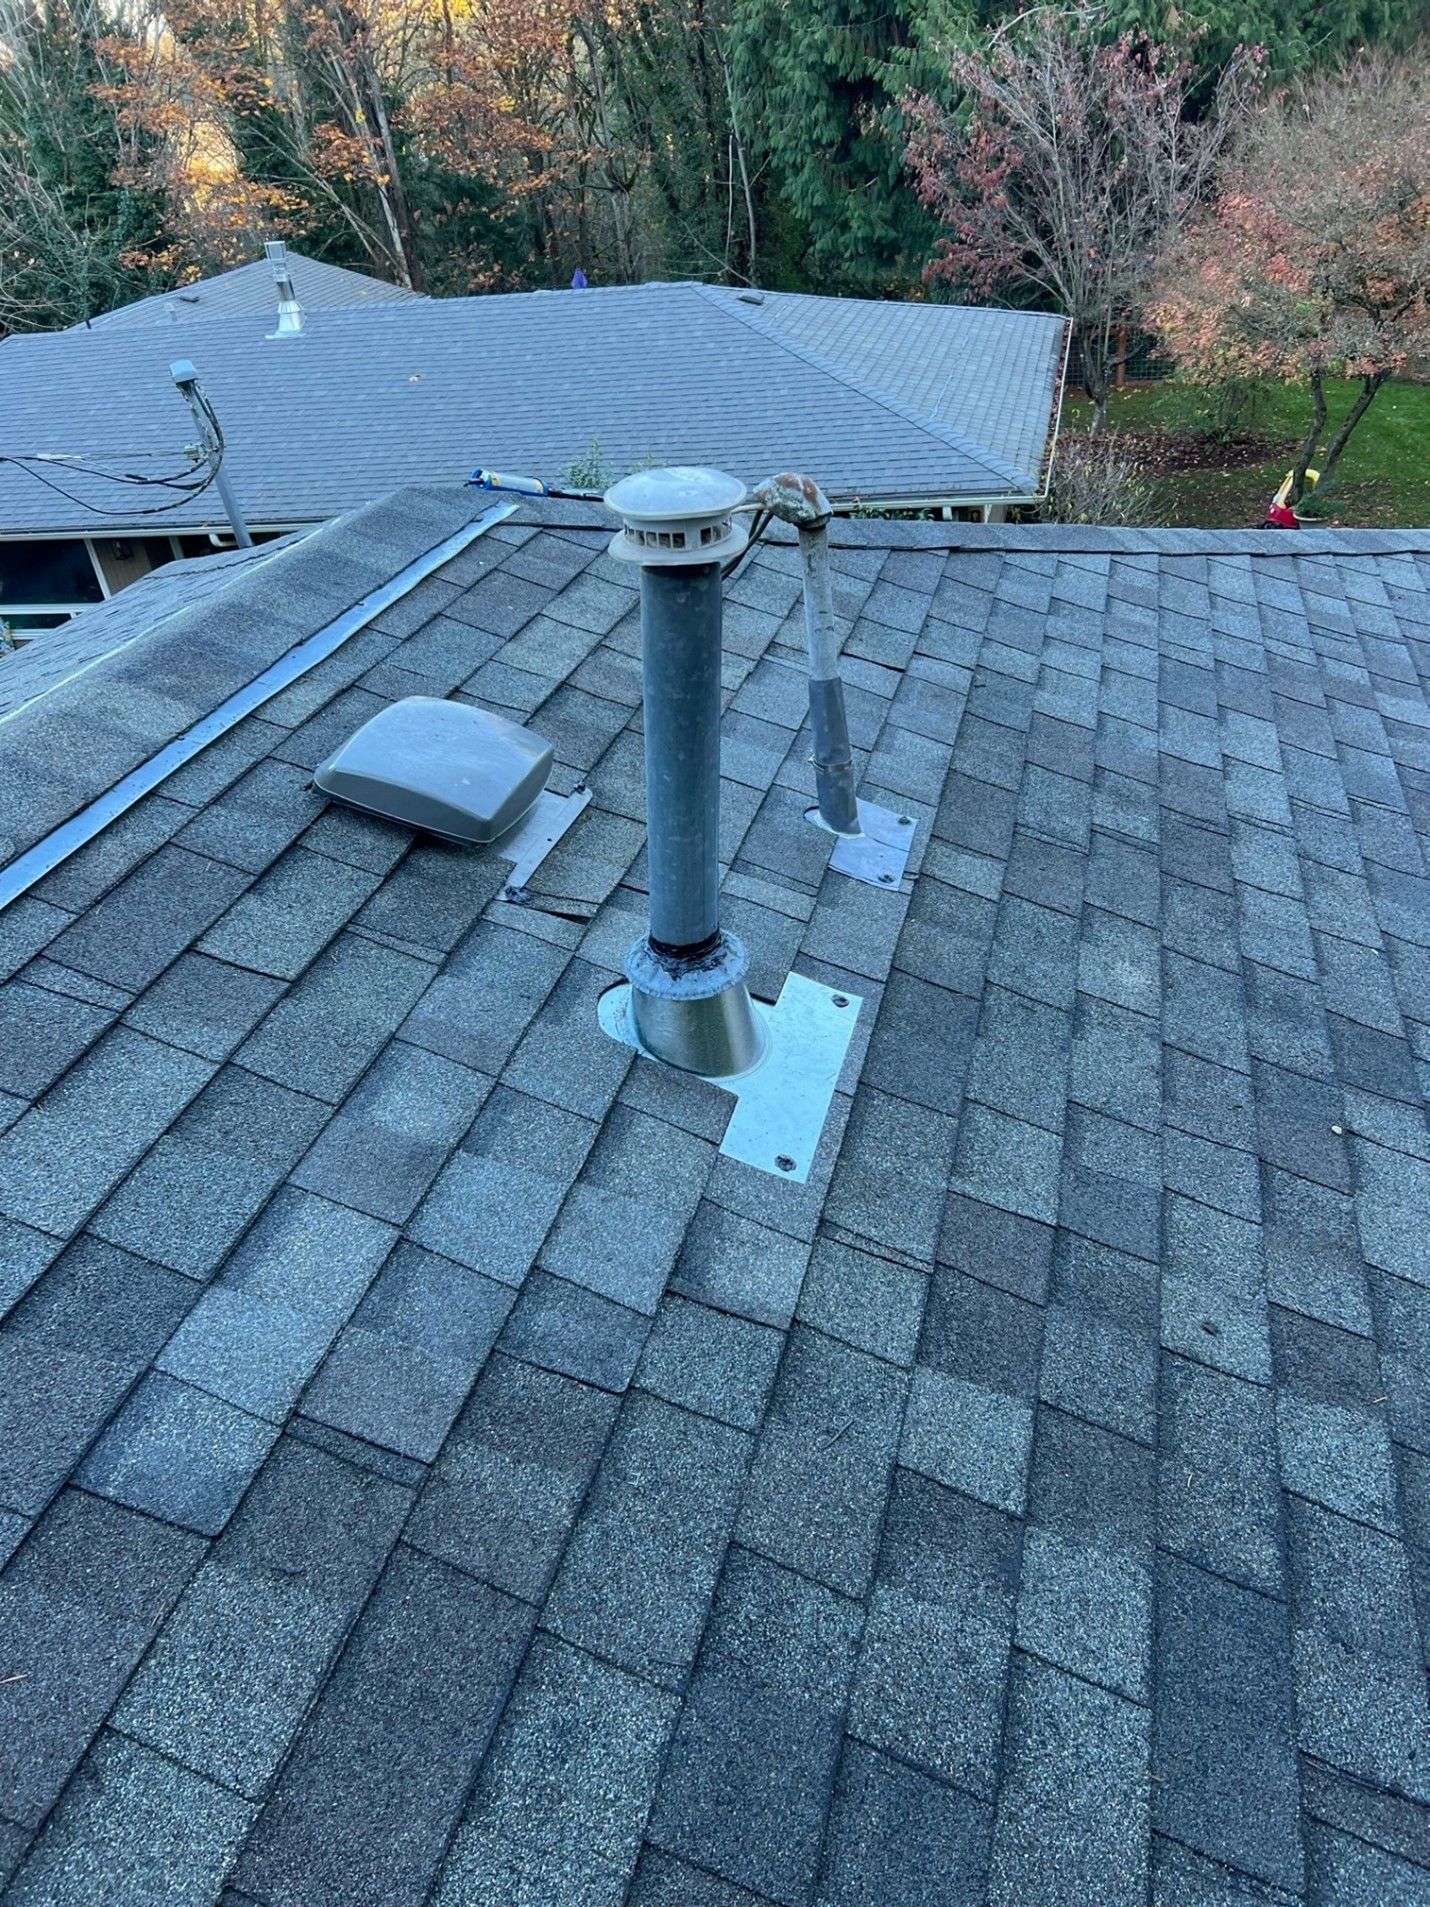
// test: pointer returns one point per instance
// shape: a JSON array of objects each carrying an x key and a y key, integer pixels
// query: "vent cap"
[
  {"x": 445, "y": 767},
  {"x": 682, "y": 515}
]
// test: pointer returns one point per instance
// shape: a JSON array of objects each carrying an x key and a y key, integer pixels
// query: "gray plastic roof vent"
[{"x": 445, "y": 767}]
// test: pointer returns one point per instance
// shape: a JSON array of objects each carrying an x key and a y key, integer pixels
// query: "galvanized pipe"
[
  {"x": 680, "y": 670},
  {"x": 800, "y": 501},
  {"x": 829, "y": 723}
]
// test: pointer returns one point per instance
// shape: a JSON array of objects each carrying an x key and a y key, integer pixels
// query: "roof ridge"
[{"x": 952, "y": 439}]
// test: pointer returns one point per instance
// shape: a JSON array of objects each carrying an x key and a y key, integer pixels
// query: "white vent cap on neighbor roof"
[
  {"x": 681, "y": 515},
  {"x": 446, "y": 767}
]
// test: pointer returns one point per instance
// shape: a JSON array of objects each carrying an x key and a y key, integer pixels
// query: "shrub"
[{"x": 1094, "y": 479}]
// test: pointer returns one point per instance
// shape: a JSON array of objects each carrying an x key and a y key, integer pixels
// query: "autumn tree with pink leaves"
[
  {"x": 1068, "y": 163},
  {"x": 1314, "y": 262}
]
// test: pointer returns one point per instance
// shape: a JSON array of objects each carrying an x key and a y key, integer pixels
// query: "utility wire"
[{"x": 188, "y": 491}]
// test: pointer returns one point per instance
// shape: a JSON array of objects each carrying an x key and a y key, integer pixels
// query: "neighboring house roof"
[
  {"x": 433, "y": 1472},
  {"x": 249, "y": 289},
  {"x": 424, "y": 390}
]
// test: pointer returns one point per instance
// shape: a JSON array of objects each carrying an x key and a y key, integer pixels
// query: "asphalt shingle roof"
[
  {"x": 430, "y": 1471},
  {"x": 249, "y": 289},
  {"x": 882, "y": 400}
]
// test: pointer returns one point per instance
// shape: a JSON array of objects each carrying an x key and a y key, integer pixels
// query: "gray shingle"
[
  {"x": 232, "y": 1673},
  {"x": 130, "y": 936},
  {"x": 1360, "y": 1692},
  {"x": 42, "y": 1033},
  {"x": 494, "y": 1201},
  {"x": 710, "y": 1361},
  {"x": 1219, "y": 1497},
  {"x": 291, "y": 915},
  {"x": 477, "y": 1008},
  {"x": 1007, "y": 1163},
  {"x": 1087, "y": 1607},
  {"x": 901, "y": 1840},
  {"x": 512, "y": 1476},
  {"x": 58, "y": 1160},
  {"x": 179, "y": 1454},
  {"x": 865, "y": 1301},
  {"x": 368, "y": 1798},
  {"x": 203, "y": 1005},
  {"x": 24, "y": 1254},
  {"x": 746, "y": 1781},
  {"x": 191, "y": 1198},
  {"x": 53, "y": 1403},
  {"x": 394, "y": 1132},
  {"x": 740, "y": 1266},
  {"x": 256, "y": 1336},
  {"x": 933, "y": 1657},
  {"x": 892, "y": 1174},
  {"x": 622, "y": 1226},
  {"x": 1074, "y": 1803},
  {"x": 1225, "y": 1726},
  {"x": 1213, "y": 1290},
  {"x": 559, "y": 1807},
  {"x": 968, "y": 1437},
  {"x": 636, "y": 1580},
  {"x": 322, "y": 1035},
  {"x": 402, "y": 1367},
  {"x": 80, "y": 1603},
  {"x": 1181, "y": 1878},
  {"x": 820, "y": 1478},
  {"x": 566, "y": 1328},
  {"x": 134, "y": 1831}
]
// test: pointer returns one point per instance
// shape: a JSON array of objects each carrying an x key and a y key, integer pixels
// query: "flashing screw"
[
  {"x": 785, "y": 1162},
  {"x": 906, "y": 821},
  {"x": 887, "y": 879},
  {"x": 841, "y": 999}
]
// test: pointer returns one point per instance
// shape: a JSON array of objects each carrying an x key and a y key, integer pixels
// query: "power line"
[{"x": 188, "y": 491}]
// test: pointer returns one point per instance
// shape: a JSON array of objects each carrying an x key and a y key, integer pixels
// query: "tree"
[
  {"x": 1068, "y": 163},
  {"x": 69, "y": 227},
  {"x": 1315, "y": 260},
  {"x": 822, "y": 81}
]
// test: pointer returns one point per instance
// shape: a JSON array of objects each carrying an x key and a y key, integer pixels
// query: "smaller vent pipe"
[
  {"x": 800, "y": 501},
  {"x": 290, "y": 312},
  {"x": 689, "y": 1002}
]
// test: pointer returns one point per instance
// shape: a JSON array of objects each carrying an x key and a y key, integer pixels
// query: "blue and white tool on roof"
[{"x": 502, "y": 480}]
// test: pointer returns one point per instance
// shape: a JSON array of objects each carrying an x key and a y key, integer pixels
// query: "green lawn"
[{"x": 1383, "y": 481}]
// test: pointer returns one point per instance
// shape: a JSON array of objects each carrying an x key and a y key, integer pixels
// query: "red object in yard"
[{"x": 1280, "y": 516}]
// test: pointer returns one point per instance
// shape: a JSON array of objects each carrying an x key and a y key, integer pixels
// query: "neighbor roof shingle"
[
  {"x": 429, "y": 1469},
  {"x": 883, "y": 400}
]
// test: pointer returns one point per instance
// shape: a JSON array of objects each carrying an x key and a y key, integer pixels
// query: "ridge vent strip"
[{"x": 82, "y": 828}]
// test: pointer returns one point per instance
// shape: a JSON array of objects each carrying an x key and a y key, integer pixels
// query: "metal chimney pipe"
[
  {"x": 689, "y": 1002},
  {"x": 290, "y": 312}
]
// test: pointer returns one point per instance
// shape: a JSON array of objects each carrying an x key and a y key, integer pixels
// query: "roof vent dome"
[{"x": 675, "y": 516}]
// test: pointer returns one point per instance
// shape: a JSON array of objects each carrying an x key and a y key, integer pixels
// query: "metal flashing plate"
[
  {"x": 536, "y": 834},
  {"x": 782, "y": 1104},
  {"x": 880, "y": 854}
]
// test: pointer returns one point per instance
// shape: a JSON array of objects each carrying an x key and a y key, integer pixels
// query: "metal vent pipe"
[
  {"x": 800, "y": 501},
  {"x": 689, "y": 1002}
]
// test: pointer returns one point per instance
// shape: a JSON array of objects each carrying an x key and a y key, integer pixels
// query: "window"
[{"x": 47, "y": 571}]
